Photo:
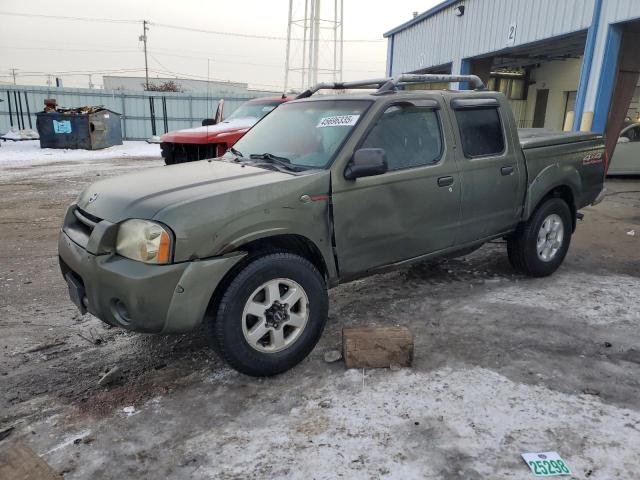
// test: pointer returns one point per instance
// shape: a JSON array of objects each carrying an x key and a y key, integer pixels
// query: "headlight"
[{"x": 145, "y": 241}]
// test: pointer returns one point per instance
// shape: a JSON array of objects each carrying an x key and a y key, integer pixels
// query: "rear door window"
[{"x": 481, "y": 131}]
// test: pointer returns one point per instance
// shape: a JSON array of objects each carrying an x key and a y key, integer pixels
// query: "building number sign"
[{"x": 511, "y": 37}]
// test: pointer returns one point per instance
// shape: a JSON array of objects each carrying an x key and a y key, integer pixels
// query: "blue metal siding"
[
  {"x": 613, "y": 11},
  {"x": 442, "y": 37},
  {"x": 608, "y": 74},
  {"x": 585, "y": 72}
]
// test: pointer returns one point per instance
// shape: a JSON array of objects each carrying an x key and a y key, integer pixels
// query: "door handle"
[
  {"x": 507, "y": 170},
  {"x": 445, "y": 181}
]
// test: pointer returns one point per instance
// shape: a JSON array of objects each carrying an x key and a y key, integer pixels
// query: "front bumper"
[{"x": 142, "y": 297}]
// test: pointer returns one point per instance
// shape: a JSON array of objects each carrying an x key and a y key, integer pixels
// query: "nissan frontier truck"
[{"x": 323, "y": 190}]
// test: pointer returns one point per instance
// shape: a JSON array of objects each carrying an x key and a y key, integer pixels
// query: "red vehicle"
[{"x": 213, "y": 138}]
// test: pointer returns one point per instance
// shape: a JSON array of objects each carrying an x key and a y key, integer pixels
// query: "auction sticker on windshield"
[
  {"x": 546, "y": 464},
  {"x": 338, "y": 121}
]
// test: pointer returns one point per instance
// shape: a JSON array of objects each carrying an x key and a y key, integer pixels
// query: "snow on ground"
[
  {"x": 24, "y": 161},
  {"x": 603, "y": 299},
  {"x": 24, "y": 134},
  {"x": 449, "y": 423},
  {"x": 25, "y": 153}
]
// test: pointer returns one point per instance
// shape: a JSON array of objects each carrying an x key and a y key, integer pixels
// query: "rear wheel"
[
  {"x": 270, "y": 316},
  {"x": 539, "y": 246}
]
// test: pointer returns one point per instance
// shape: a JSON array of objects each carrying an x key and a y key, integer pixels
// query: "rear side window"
[{"x": 481, "y": 131}]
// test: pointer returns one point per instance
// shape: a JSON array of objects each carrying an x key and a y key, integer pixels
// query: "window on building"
[
  {"x": 481, "y": 131},
  {"x": 409, "y": 135}
]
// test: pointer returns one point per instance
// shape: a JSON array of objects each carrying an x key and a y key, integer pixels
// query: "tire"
[
  {"x": 541, "y": 260},
  {"x": 167, "y": 154},
  {"x": 235, "y": 333}
]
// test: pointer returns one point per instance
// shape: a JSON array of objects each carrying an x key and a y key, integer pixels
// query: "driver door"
[{"x": 411, "y": 210}]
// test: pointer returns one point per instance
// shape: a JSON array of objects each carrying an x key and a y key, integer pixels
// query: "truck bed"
[{"x": 543, "y": 137}]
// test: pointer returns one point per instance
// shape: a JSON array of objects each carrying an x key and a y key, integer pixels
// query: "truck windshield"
[
  {"x": 307, "y": 134},
  {"x": 255, "y": 110}
]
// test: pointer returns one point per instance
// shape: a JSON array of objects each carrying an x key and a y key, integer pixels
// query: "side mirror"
[
  {"x": 208, "y": 121},
  {"x": 219, "y": 116},
  {"x": 366, "y": 162},
  {"x": 623, "y": 140}
]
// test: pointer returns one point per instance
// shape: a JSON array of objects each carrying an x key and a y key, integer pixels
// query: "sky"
[{"x": 82, "y": 51}]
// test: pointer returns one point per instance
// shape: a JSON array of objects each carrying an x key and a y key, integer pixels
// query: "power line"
[
  {"x": 248, "y": 35},
  {"x": 167, "y": 52},
  {"x": 75, "y": 50},
  {"x": 62, "y": 17},
  {"x": 170, "y": 26},
  {"x": 76, "y": 72}
]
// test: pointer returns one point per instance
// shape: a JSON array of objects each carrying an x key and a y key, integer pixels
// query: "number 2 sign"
[{"x": 511, "y": 37}]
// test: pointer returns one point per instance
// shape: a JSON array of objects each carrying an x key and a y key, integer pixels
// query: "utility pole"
[
  {"x": 13, "y": 72},
  {"x": 143, "y": 38}
]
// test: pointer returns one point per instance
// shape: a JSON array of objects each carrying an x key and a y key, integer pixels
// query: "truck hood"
[
  {"x": 215, "y": 207},
  {"x": 145, "y": 193},
  {"x": 221, "y": 132}
]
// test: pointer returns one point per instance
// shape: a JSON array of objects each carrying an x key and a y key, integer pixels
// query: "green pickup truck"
[{"x": 325, "y": 189}]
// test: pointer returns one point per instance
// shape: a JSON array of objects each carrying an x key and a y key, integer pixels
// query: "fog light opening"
[{"x": 120, "y": 312}]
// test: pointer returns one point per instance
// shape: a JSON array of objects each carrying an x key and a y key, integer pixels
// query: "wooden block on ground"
[
  {"x": 377, "y": 347},
  {"x": 19, "y": 462}
]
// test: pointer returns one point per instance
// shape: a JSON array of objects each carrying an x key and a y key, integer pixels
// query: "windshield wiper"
[
  {"x": 237, "y": 153},
  {"x": 276, "y": 160},
  {"x": 271, "y": 158}
]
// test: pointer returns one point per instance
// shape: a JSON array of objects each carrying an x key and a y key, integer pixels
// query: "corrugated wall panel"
[
  {"x": 184, "y": 110},
  {"x": 483, "y": 29}
]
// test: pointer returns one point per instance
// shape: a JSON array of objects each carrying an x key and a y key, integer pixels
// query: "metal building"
[
  {"x": 564, "y": 64},
  {"x": 186, "y": 85}
]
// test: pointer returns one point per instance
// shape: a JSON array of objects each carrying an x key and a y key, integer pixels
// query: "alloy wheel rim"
[
  {"x": 550, "y": 237},
  {"x": 275, "y": 315}
]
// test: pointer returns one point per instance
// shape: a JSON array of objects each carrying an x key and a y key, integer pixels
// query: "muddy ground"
[{"x": 503, "y": 365}]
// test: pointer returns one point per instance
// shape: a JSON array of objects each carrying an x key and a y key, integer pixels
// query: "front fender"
[{"x": 309, "y": 221}]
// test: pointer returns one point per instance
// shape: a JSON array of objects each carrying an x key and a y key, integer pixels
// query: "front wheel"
[
  {"x": 539, "y": 246},
  {"x": 270, "y": 316}
]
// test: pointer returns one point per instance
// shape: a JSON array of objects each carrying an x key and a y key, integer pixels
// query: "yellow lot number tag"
[{"x": 546, "y": 464}]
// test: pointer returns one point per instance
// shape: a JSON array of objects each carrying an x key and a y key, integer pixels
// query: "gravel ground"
[{"x": 503, "y": 364}]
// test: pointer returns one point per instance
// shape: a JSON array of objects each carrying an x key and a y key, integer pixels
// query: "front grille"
[{"x": 86, "y": 219}]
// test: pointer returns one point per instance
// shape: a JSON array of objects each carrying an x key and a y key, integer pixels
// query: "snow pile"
[
  {"x": 29, "y": 153},
  {"x": 471, "y": 423},
  {"x": 24, "y": 134}
]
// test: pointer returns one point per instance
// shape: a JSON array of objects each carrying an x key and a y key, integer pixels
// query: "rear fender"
[{"x": 550, "y": 178}]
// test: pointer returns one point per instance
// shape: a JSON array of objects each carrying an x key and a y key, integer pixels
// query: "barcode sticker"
[{"x": 338, "y": 121}]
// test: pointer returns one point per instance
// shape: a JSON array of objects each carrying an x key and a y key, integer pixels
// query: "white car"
[{"x": 626, "y": 157}]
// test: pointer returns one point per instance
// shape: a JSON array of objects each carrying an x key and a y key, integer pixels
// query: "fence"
[{"x": 140, "y": 110}]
